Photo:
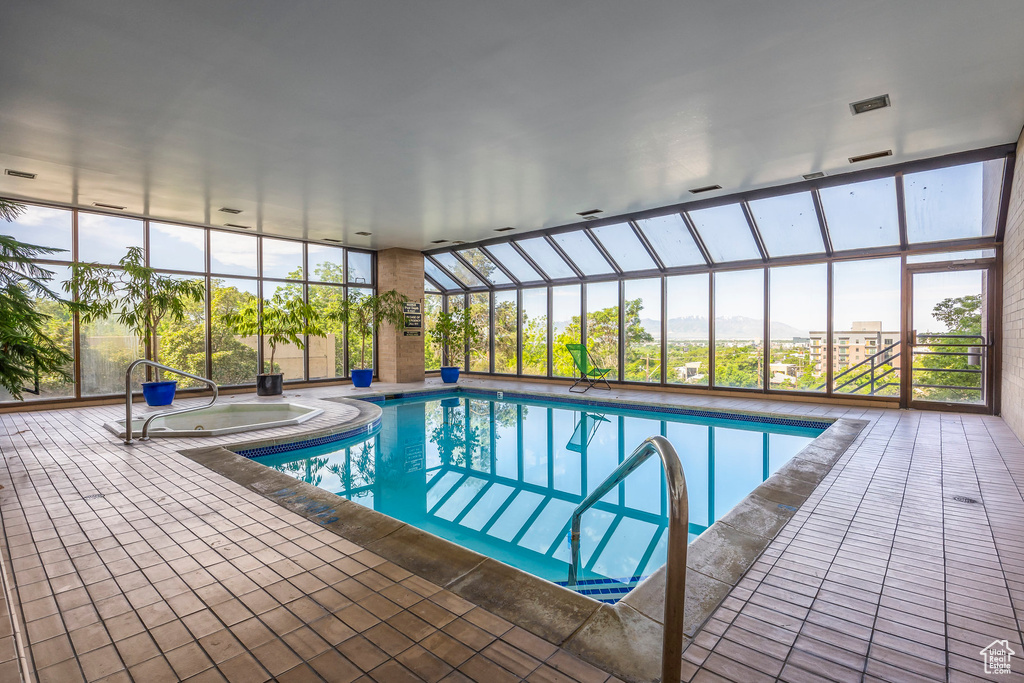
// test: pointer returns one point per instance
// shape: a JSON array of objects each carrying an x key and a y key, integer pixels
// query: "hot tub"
[{"x": 218, "y": 420}]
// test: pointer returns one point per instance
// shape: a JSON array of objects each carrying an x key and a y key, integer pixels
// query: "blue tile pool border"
[{"x": 275, "y": 449}]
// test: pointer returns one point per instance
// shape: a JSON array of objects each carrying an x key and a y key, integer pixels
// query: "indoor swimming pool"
[{"x": 503, "y": 477}]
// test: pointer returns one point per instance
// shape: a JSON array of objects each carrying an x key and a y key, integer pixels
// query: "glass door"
[{"x": 951, "y": 337}]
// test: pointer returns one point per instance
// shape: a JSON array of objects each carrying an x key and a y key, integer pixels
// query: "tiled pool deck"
[{"x": 138, "y": 563}]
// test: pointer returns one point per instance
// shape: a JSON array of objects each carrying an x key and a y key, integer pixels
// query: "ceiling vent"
[
  {"x": 589, "y": 212},
  {"x": 234, "y": 212},
  {"x": 438, "y": 241},
  {"x": 706, "y": 188},
  {"x": 20, "y": 174},
  {"x": 363, "y": 233},
  {"x": 331, "y": 239},
  {"x": 870, "y": 104},
  {"x": 505, "y": 229},
  {"x": 814, "y": 176},
  {"x": 109, "y": 206},
  {"x": 236, "y": 225},
  {"x": 869, "y": 157}
]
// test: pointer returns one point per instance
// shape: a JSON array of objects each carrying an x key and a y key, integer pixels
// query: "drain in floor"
[{"x": 965, "y": 499}]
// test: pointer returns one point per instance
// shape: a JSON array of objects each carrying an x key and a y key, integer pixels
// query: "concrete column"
[{"x": 400, "y": 356}]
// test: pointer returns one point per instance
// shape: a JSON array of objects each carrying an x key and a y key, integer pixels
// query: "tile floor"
[{"x": 139, "y": 564}]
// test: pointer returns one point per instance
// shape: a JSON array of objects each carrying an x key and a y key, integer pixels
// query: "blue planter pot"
[
  {"x": 159, "y": 393},
  {"x": 449, "y": 375},
  {"x": 362, "y": 378}
]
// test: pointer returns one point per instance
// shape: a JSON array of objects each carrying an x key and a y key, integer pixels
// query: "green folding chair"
[{"x": 585, "y": 364}]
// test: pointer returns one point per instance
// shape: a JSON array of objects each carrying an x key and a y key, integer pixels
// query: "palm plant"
[
  {"x": 25, "y": 349},
  {"x": 139, "y": 296},
  {"x": 364, "y": 313},
  {"x": 284, "y": 319}
]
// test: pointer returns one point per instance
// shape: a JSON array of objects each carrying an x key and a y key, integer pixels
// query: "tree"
[
  {"x": 952, "y": 378},
  {"x": 602, "y": 338},
  {"x": 183, "y": 342},
  {"x": 27, "y": 351},
  {"x": 139, "y": 296},
  {"x": 283, "y": 320}
]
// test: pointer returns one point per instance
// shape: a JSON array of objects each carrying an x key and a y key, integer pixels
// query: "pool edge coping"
[{"x": 625, "y": 638}]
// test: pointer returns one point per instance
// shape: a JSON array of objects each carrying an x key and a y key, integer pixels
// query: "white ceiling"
[{"x": 426, "y": 120}]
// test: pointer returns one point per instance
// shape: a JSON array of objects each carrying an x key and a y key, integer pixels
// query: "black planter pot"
[{"x": 270, "y": 385}]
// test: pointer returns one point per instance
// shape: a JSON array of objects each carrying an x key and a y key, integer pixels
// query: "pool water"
[{"x": 503, "y": 478}]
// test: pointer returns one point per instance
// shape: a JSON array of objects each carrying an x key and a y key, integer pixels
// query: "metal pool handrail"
[
  {"x": 128, "y": 398},
  {"x": 678, "y": 532}
]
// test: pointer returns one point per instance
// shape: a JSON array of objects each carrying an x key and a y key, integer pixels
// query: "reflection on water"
[{"x": 503, "y": 478}]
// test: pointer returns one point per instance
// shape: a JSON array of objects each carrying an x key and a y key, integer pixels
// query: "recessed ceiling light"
[
  {"x": 870, "y": 104},
  {"x": 236, "y": 225},
  {"x": 438, "y": 241},
  {"x": 589, "y": 212},
  {"x": 814, "y": 176},
  {"x": 109, "y": 206},
  {"x": 364, "y": 233},
  {"x": 706, "y": 188},
  {"x": 231, "y": 211},
  {"x": 869, "y": 157},
  {"x": 331, "y": 239},
  {"x": 505, "y": 229},
  {"x": 20, "y": 174},
  {"x": 590, "y": 218},
  {"x": 458, "y": 242}
]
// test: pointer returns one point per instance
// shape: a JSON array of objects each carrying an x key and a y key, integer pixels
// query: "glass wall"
[
  {"x": 535, "y": 331},
  {"x": 603, "y": 325},
  {"x": 565, "y": 328},
  {"x": 640, "y": 292},
  {"x": 49, "y": 228},
  {"x": 432, "y": 306},
  {"x": 866, "y": 333},
  {"x": 642, "y": 330},
  {"x": 479, "y": 315},
  {"x": 506, "y": 326},
  {"x": 688, "y": 330},
  {"x": 234, "y": 267},
  {"x": 739, "y": 328},
  {"x": 798, "y": 310}
]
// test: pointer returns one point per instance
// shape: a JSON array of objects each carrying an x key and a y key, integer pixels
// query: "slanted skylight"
[
  {"x": 455, "y": 267},
  {"x": 553, "y": 265},
  {"x": 671, "y": 241},
  {"x": 726, "y": 233},
  {"x": 861, "y": 215},
  {"x": 485, "y": 266},
  {"x": 513, "y": 261},
  {"x": 788, "y": 224},
  {"x": 625, "y": 247},
  {"x": 438, "y": 275},
  {"x": 956, "y": 202},
  {"x": 583, "y": 253}
]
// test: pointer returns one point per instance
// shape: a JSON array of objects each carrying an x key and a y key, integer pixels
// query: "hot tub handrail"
[
  {"x": 128, "y": 398},
  {"x": 678, "y": 532}
]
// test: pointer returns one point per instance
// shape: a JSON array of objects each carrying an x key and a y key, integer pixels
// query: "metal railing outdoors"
[
  {"x": 678, "y": 535},
  {"x": 875, "y": 373},
  {"x": 945, "y": 352},
  {"x": 128, "y": 398}
]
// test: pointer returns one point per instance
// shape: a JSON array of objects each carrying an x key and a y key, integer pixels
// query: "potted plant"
[
  {"x": 364, "y": 313},
  {"x": 452, "y": 331},
  {"x": 28, "y": 348},
  {"x": 284, "y": 320},
  {"x": 141, "y": 298}
]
